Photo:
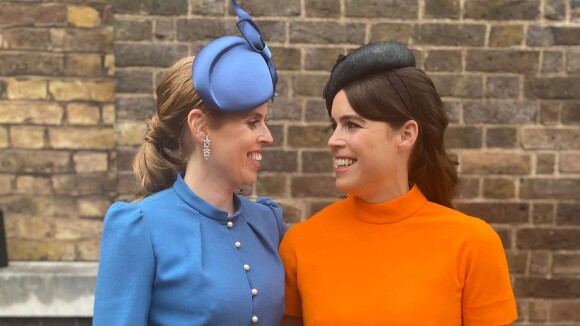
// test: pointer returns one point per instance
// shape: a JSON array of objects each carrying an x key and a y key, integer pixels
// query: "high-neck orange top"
[{"x": 404, "y": 262}]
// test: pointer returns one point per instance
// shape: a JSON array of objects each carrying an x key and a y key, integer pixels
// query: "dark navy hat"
[
  {"x": 235, "y": 74},
  {"x": 365, "y": 61}
]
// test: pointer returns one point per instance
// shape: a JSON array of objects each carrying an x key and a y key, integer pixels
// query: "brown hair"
[
  {"x": 166, "y": 148},
  {"x": 396, "y": 97}
]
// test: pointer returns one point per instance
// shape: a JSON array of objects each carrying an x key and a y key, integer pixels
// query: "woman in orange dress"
[{"x": 394, "y": 252}]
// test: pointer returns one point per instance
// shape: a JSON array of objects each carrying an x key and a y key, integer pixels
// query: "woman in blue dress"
[{"x": 190, "y": 251}]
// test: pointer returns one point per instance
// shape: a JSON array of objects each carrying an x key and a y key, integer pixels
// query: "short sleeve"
[
  {"x": 126, "y": 269},
  {"x": 293, "y": 298},
  {"x": 488, "y": 298},
  {"x": 277, "y": 210}
]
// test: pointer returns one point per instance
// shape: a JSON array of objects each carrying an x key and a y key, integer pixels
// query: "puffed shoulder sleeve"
[
  {"x": 288, "y": 254},
  {"x": 126, "y": 268},
  {"x": 488, "y": 298},
  {"x": 277, "y": 210}
]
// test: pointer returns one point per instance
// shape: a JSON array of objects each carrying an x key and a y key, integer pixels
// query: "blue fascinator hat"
[{"x": 234, "y": 74}]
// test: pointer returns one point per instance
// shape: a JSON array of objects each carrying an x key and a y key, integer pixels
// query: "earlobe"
[{"x": 196, "y": 125}]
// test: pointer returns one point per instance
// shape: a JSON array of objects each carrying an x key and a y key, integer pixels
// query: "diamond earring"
[{"x": 206, "y": 149}]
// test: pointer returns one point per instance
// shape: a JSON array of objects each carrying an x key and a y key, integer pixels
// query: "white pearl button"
[
  {"x": 254, "y": 291},
  {"x": 237, "y": 244},
  {"x": 254, "y": 319},
  {"x": 247, "y": 267},
  {"x": 230, "y": 224}
]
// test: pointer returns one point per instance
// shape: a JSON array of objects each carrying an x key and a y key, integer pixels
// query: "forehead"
[{"x": 341, "y": 106}]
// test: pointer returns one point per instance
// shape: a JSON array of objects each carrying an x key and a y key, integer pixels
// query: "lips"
[
  {"x": 340, "y": 162},
  {"x": 255, "y": 156}
]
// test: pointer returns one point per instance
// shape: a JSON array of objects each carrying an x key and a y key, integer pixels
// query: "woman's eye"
[
  {"x": 352, "y": 125},
  {"x": 332, "y": 127}
]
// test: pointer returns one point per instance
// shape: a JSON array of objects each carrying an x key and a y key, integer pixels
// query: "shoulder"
[
  {"x": 264, "y": 211},
  {"x": 123, "y": 213}
]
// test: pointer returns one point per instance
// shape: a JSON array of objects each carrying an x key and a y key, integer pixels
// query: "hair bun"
[{"x": 366, "y": 60}]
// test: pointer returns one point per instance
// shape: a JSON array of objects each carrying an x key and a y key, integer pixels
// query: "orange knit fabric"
[{"x": 404, "y": 262}]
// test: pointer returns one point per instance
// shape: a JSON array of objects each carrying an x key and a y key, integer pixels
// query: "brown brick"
[
  {"x": 272, "y": 7},
  {"x": 82, "y": 40},
  {"x": 82, "y": 138},
  {"x": 22, "y": 14},
  {"x": 317, "y": 162},
  {"x": 467, "y": 188},
  {"x": 543, "y": 213},
  {"x": 71, "y": 90},
  {"x": 381, "y": 9},
  {"x": 164, "y": 30},
  {"x": 309, "y": 84},
  {"x": 27, "y": 136},
  {"x": 272, "y": 185},
  {"x": 453, "y": 111},
  {"x": 502, "y": 61},
  {"x": 45, "y": 64},
  {"x": 86, "y": 251},
  {"x": 463, "y": 137},
  {"x": 41, "y": 250},
  {"x": 575, "y": 10},
  {"x": 503, "y": 87},
  {"x": 272, "y": 30},
  {"x": 208, "y": 7},
  {"x": 134, "y": 108},
  {"x": 568, "y": 214},
  {"x": 458, "y": 85},
  {"x": 566, "y": 264},
  {"x": 327, "y": 32},
  {"x": 308, "y": 136},
  {"x": 545, "y": 163},
  {"x": 540, "y": 263},
  {"x": 35, "y": 113},
  {"x": 553, "y": 88},
  {"x": 499, "y": 188},
  {"x": 555, "y": 9},
  {"x": 26, "y": 39},
  {"x": 502, "y": 10},
  {"x": 131, "y": 81},
  {"x": 537, "y": 287},
  {"x": 500, "y": 112},
  {"x": 322, "y": 8},
  {"x": 517, "y": 261},
  {"x": 82, "y": 114},
  {"x": 33, "y": 185},
  {"x": 277, "y": 132},
  {"x": 505, "y": 236},
  {"x": 93, "y": 207},
  {"x": 77, "y": 229},
  {"x": 506, "y": 36},
  {"x": 552, "y": 35},
  {"x": 292, "y": 212},
  {"x": 316, "y": 111},
  {"x": 285, "y": 109},
  {"x": 150, "y": 55},
  {"x": 548, "y": 239},
  {"x": 127, "y": 183},
  {"x": 130, "y": 133},
  {"x": 124, "y": 159},
  {"x": 83, "y": 16},
  {"x": 569, "y": 163},
  {"x": 537, "y": 188},
  {"x": 26, "y": 89},
  {"x": 317, "y": 206},
  {"x": 390, "y": 31},
  {"x": 443, "y": 61},
  {"x": 539, "y": 310},
  {"x": 313, "y": 186},
  {"x": 442, "y": 9},
  {"x": 25, "y": 161},
  {"x": 321, "y": 58},
  {"x": 571, "y": 113},
  {"x": 6, "y": 182},
  {"x": 563, "y": 311},
  {"x": 286, "y": 58},
  {"x": 90, "y": 162},
  {"x": 501, "y": 137},
  {"x": 277, "y": 160},
  {"x": 75, "y": 185},
  {"x": 550, "y": 113},
  {"x": 170, "y": 7},
  {"x": 552, "y": 61},
  {"x": 497, "y": 212},
  {"x": 444, "y": 34},
  {"x": 84, "y": 65},
  {"x": 495, "y": 163},
  {"x": 551, "y": 138},
  {"x": 108, "y": 114},
  {"x": 40, "y": 206}
]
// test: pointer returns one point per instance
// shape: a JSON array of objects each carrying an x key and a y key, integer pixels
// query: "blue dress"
[{"x": 173, "y": 259}]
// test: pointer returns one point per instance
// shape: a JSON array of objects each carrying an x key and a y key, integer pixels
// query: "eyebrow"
[{"x": 349, "y": 117}]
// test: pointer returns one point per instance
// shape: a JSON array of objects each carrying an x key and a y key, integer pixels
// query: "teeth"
[
  {"x": 255, "y": 157},
  {"x": 342, "y": 162}
]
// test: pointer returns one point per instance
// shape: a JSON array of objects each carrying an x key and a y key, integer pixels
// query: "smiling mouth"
[
  {"x": 255, "y": 157},
  {"x": 343, "y": 162}
]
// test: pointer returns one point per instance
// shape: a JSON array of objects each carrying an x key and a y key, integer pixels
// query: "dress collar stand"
[
  {"x": 203, "y": 207},
  {"x": 392, "y": 211}
]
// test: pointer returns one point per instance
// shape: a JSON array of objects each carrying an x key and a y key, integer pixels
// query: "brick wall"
[{"x": 508, "y": 70}]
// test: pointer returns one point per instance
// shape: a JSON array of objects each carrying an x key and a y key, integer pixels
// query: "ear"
[
  {"x": 409, "y": 133},
  {"x": 196, "y": 124}
]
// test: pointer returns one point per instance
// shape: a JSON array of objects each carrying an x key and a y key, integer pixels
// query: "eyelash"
[
  {"x": 253, "y": 123},
  {"x": 347, "y": 125}
]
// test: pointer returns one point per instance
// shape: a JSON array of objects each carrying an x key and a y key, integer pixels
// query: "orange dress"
[{"x": 404, "y": 262}]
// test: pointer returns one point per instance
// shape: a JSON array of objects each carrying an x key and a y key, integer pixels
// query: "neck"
[
  {"x": 382, "y": 193},
  {"x": 209, "y": 187}
]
